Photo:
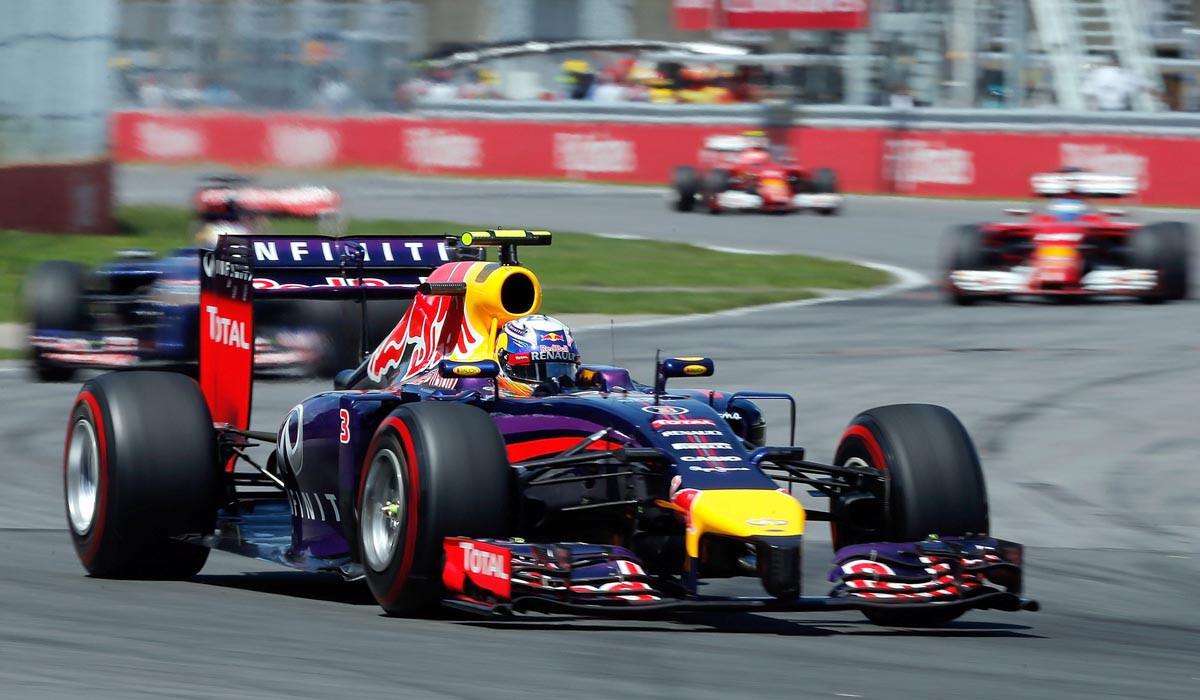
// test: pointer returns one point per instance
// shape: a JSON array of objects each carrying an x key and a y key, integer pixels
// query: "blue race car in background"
[
  {"x": 141, "y": 309},
  {"x": 596, "y": 494}
]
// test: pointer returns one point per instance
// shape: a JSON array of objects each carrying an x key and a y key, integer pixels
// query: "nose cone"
[{"x": 743, "y": 513}]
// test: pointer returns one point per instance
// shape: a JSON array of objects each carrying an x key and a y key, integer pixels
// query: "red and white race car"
[
  {"x": 1072, "y": 250},
  {"x": 746, "y": 172},
  {"x": 235, "y": 200}
]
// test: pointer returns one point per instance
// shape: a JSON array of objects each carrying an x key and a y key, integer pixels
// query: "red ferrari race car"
[
  {"x": 1071, "y": 251},
  {"x": 236, "y": 200},
  {"x": 746, "y": 173}
]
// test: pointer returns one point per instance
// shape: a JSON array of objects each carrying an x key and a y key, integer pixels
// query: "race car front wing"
[{"x": 501, "y": 577}]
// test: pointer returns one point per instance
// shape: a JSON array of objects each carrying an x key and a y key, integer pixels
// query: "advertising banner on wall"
[
  {"x": 699, "y": 15},
  {"x": 940, "y": 163}
]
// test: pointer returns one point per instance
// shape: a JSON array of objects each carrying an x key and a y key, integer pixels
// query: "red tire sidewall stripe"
[
  {"x": 412, "y": 472},
  {"x": 870, "y": 442},
  {"x": 87, "y": 398},
  {"x": 874, "y": 450}
]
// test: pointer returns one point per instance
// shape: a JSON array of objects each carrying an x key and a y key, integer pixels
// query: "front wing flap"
[
  {"x": 936, "y": 569},
  {"x": 508, "y": 576}
]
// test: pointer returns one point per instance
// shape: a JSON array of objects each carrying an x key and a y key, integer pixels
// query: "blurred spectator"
[
  {"x": 442, "y": 87},
  {"x": 1109, "y": 87},
  {"x": 901, "y": 98},
  {"x": 216, "y": 94},
  {"x": 578, "y": 78},
  {"x": 485, "y": 84},
  {"x": 335, "y": 95},
  {"x": 188, "y": 93},
  {"x": 607, "y": 90},
  {"x": 151, "y": 94}
]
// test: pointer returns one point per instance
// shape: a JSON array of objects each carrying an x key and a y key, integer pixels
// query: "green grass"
[{"x": 577, "y": 272}]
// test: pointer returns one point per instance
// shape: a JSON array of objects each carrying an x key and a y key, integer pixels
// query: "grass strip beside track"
[{"x": 580, "y": 273}]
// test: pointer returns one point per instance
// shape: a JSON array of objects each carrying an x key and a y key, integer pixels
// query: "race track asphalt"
[{"x": 1086, "y": 418}]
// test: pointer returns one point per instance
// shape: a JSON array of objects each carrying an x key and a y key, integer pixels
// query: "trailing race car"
[
  {"x": 747, "y": 173},
  {"x": 429, "y": 474},
  {"x": 1072, "y": 250},
  {"x": 141, "y": 309}
]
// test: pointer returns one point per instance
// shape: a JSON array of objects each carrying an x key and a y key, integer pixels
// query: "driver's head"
[
  {"x": 208, "y": 234},
  {"x": 535, "y": 349},
  {"x": 755, "y": 156},
  {"x": 1067, "y": 209}
]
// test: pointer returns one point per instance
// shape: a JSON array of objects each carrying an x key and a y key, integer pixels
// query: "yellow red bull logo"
[{"x": 741, "y": 513}]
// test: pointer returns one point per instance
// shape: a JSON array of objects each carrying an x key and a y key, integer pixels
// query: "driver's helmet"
[
  {"x": 755, "y": 156},
  {"x": 1066, "y": 209},
  {"x": 210, "y": 233},
  {"x": 535, "y": 349}
]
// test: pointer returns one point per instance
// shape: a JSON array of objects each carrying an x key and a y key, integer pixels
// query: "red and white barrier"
[{"x": 958, "y": 163}]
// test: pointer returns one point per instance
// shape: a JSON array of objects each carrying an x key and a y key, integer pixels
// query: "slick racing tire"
[
  {"x": 824, "y": 181},
  {"x": 339, "y": 325},
  {"x": 54, "y": 300},
  {"x": 965, "y": 250},
  {"x": 433, "y": 470},
  {"x": 934, "y": 487},
  {"x": 716, "y": 182},
  {"x": 140, "y": 467},
  {"x": 1164, "y": 248},
  {"x": 687, "y": 186}
]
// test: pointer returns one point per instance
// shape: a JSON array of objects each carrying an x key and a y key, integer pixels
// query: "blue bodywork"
[{"x": 137, "y": 309}]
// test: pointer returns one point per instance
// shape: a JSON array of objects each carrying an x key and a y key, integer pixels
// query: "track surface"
[{"x": 1085, "y": 416}]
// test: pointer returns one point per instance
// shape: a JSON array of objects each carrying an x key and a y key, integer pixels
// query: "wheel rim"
[
  {"x": 383, "y": 509},
  {"x": 83, "y": 476}
]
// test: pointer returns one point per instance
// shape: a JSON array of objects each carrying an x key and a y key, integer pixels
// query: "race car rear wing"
[
  {"x": 242, "y": 268},
  {"x": 324, "y": 266},
  {"x": 1083, "y": 184}
]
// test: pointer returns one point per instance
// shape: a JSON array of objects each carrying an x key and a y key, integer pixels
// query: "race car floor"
[{"x": 1085, "y": 416}]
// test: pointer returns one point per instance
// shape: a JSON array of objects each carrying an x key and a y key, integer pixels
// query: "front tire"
[
  {"x": 935, "y": 487},
  {"x": 965, "y": 250},
  {"x": 715, "y": 183},
  {"x": 824, "y": 181},
  {"x": 433, "y": 470},
  {"x": 140, "y": 468},
  {"x": 1164, "y": 248},
  {"x": 687, "y": 187}
]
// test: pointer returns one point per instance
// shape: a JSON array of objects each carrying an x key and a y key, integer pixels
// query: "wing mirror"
[
  {"x": 1018, "y": 211},
  {"x": 681, "y": 367},
  {"x": 343, "y": 379},
  {"x": 480, "y": 369}
]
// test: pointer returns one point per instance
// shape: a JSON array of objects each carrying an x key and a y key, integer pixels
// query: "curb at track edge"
[{"x": 906, "y": 280}]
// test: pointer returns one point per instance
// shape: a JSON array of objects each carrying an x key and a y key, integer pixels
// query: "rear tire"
[
  {"x": 140, "y": 467},
  {"x": 54, "y": 300},
  {"x": 1165, "y": 248},
  {"x": 935, "y": 487},
  {"x": 687, "y": 186},
  {"x": 436, "y": 484},
  {"x": 824, "y": 181},
  {"x": 337, "y": 325}
]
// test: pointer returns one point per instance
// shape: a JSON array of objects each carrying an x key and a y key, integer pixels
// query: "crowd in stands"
[{"x": 624, "y": 79}]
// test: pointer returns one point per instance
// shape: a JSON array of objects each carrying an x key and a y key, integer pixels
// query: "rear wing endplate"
[{"x": 243, "y": 268}]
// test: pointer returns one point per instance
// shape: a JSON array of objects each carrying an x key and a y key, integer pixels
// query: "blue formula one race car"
[
  {"x": 472, "y": 461},
  {"x": 140, "y": 309}
]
